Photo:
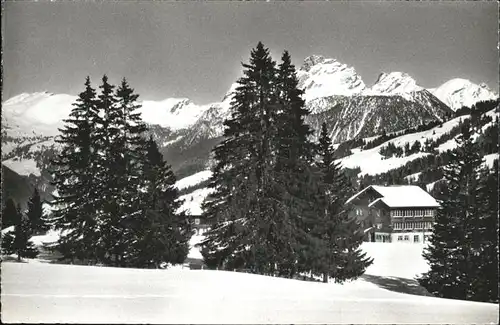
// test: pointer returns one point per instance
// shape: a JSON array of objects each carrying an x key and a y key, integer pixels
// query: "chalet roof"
[{"x": 401, "y": 196}]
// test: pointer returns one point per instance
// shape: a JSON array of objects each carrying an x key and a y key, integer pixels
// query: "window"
[
  {"x": 415, "y": 239},
  {"x": 419, "y": 225},
  {"x": 407, "y": 237},
  {"x": 197, "y": 221},
  {"x": 400, "y": 237}
]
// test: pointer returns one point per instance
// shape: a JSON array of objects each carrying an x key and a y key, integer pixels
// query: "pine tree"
[
  {"x": 125, "y": 149},
  {"x": 35, "y": 213},
  {"x": 110, "y": 173},
  {"x": 74, "y": 177},
  {"x": 454, "y": 241},
  {"x": 294, "y": 177},
  {"x": 241, "y": 208},
  {"x": 9, "y": 213},
  {"x": 163, "y": 233},
  {"x": 485, "y": 280},
  {"x": 340, "y": 236}
]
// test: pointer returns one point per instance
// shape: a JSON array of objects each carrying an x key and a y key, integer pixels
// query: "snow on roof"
[
  {"x": 401, "y": 196},
  {"x": 375, "y": 202}
]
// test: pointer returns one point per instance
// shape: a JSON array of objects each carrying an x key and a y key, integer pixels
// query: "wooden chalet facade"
[
  {"x": 394, "y": 213},
  {"x": 199, "y": 225}
]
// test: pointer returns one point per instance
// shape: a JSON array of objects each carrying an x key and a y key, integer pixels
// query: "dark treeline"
[{"x": 25, "y": 224}]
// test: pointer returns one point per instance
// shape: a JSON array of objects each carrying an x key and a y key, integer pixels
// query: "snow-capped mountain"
[
  {"x": 394, "y": 83},
  {"x": 336, "y": 94},
  {"x": 320, "y": 77},
  {"x": 350, "y": 117},
  {"x": 461, "y": 92},
  {"x": 186, "y": 132}
]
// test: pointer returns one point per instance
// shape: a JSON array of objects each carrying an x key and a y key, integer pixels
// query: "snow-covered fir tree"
[
  {"x": 294, "y": 173},
  {"x": 242, "y": 208},
  {"x": 265, "y": 211},
  {"x": 339, "y": 255},
  {"x": 75, "y": 177},
  {"x": 161, "y": 232},
  {"x": 461, "y": 247},
  {"x": 104, "y": 186},
  {"x": 486, "y": 259}
]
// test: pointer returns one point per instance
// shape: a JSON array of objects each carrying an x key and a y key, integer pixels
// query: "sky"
[{"x": 195, "y": 49}]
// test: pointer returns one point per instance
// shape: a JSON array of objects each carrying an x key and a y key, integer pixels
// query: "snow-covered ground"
[
  {"x": 193, "y": 179},
  {"x": 40, "y": 292},
  {"x": 402, "y": 260},
  {"x": 50, "y": 238},
  {"x": 23, "y": 167},
  {"x": 48, "y": 293},
  {"x": 193, "y": 201}
]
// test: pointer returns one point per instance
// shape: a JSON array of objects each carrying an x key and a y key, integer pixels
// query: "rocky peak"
[
  {"x": 394, "y": 83},
  {"x": 311, "y": 61}
]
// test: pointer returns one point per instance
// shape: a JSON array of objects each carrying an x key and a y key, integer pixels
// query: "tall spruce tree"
[
  {"x": 111, "y": 171},
  {"x": 338, "y": 254},
  {"x": 162, "y": 234},
  {"x": 241, "y": 210},
  {"x": 456, "y": 236},
  {"x": 74, "y": 177},
  {"x": 126, "y": 149},
  {"x": 294, "y": 175},
  {"x": 485, "y": 281}
]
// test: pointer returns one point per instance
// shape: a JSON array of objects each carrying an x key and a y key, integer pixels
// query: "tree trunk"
[
  {"x": 325, "y": 278},
  {"x": 19, "y": 256}
]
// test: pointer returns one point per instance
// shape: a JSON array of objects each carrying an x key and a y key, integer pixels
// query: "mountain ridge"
[{"x": 334, "y": 94}]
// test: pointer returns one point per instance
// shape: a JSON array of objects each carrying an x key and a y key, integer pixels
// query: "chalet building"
[
  {"x": 394, "y": 213},
  {"x": 199, "y": 225}
]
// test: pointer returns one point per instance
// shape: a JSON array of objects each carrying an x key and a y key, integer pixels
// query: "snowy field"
[{"x": 40, "y": 292}]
